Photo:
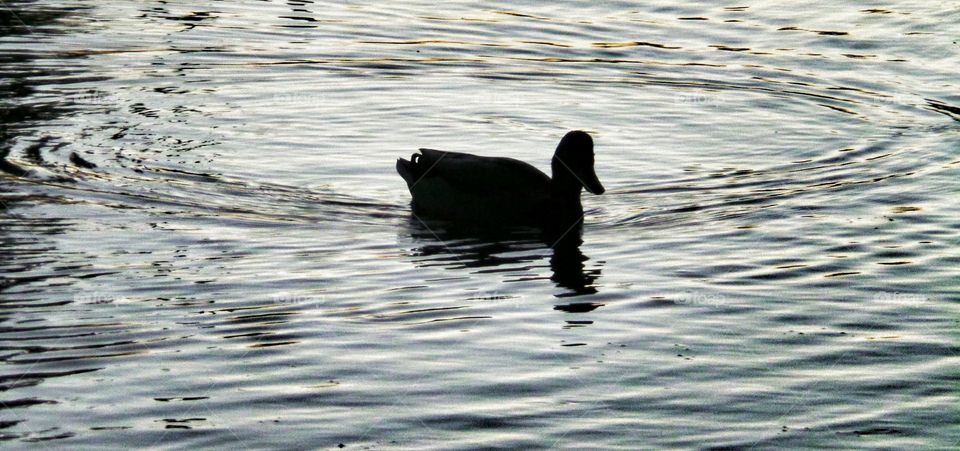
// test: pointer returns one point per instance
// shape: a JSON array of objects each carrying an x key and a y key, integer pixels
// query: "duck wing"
[{"x": 483, "y": 176}]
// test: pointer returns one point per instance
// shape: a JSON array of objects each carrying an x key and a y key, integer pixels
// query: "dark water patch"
[
  {"x": 633, "y": 44},
  {"x": 183, "y": 398},
  {"x": 578, "y": 307},
  {"x": 21, "y": 403},
  {"x": 874, "y": 431},
  {"x": 949, "y": 110}
]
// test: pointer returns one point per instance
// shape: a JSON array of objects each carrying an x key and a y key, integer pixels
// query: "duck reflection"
[
  {"x": 569, "y": 269},
  {"x": 506, "y": 250}
]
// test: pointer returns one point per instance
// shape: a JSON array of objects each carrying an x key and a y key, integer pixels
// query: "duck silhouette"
[{"x": 464, "y": 187}]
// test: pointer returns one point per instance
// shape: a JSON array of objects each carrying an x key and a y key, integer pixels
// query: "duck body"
[{"x": 465, "y": 187}]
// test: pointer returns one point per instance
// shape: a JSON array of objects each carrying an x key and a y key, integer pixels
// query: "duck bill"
[{"x": 591, "y": 182}]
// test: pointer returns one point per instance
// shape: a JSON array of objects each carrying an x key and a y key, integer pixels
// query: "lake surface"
[{"x": 205, "y": 244}]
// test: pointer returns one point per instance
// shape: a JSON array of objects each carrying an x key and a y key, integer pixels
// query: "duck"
[{"x": 481, "y": 189}]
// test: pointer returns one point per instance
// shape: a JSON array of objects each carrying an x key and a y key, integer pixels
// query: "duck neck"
[{"x": 565, "y": 188}]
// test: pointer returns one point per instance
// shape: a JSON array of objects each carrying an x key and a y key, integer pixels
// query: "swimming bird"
[{"x": 464, "y": 187}]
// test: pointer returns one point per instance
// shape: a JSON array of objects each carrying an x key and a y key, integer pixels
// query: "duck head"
[{"x": 573, "y": 165}]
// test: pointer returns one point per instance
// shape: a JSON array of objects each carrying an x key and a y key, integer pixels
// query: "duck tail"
[{"x": 408, "y": 169}]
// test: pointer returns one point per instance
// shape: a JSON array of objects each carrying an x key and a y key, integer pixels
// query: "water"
[{"x": 774, "y": 263}]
